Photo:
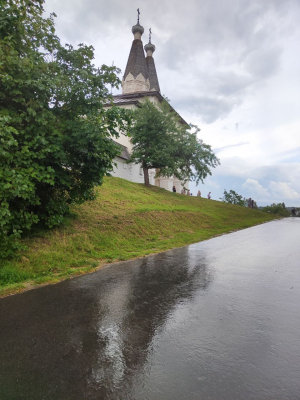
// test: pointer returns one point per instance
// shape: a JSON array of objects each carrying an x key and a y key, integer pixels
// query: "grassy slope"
[{"x": 126, "y": 221}]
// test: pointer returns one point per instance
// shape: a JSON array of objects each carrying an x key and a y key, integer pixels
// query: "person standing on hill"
[
  {"x": 174, "y": 189},
  {"x": 199, "y": 193},
  {"x": 209, "y": 196}
]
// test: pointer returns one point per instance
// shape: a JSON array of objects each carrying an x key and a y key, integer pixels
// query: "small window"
[{"x": 141, "y": 171}]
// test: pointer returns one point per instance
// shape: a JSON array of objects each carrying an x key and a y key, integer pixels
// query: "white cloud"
[
  {"x": 283, "y": 190},
  {"x": 275, "y": 193},
  {"x": 255, "y": 190}
]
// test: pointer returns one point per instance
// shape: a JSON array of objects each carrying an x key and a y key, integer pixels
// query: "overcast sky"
[{"x": 231, "y": 67}]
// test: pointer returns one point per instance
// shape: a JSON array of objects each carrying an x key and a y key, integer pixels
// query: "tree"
[
  {"x": 277, "y": 209},
  {"x": 233, "y": 198},
  {"x": 55, "y": 142},
  {"x": 162, "y": 142}
]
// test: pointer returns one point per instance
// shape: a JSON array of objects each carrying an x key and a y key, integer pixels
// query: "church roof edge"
[{"x": 132, "y": 98}]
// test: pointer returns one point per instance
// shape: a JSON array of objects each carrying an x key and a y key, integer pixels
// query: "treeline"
[
  {"x": 278, "y": 208},
  {"x": 232, "y": 197}
]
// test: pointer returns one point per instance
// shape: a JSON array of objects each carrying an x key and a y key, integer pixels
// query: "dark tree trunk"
[{"x": 146, "y": 175}]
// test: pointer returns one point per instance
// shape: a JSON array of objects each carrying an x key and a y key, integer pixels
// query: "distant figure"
[
  {"x": 199, "y": 193},
  {"x": 209, "y": 196},
  {"x": 294, "y": 212},
  {"x": 188, "y": 193},
  {"x": 182, "y": 191},
  {"x": 252, "y": 203},
  {"x": 174, "y": 189},
  {"x": 249, "y": 202}
]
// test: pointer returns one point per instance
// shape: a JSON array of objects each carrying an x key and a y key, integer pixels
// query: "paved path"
[{"x": 215, "y": 320}]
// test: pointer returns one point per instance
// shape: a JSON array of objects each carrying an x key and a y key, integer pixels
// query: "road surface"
[{"x": 215, "y": 320}]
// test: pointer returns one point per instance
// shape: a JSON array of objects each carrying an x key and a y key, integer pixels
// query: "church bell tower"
[{"x": 140, "y": 73}]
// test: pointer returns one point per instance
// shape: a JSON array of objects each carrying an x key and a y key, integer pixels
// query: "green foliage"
[
  {"x": 55, "y": 137},
  {"x": 194, "y": 159},
  {"x": 160, "y": 140},
  {"x": 152, "y": 136},
  {"x": 279, "y": 209},
  {"x": 233, "y": 198}
]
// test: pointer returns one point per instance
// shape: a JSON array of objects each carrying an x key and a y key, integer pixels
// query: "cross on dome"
[
  {"x": 138, "y": 28},
  {"x": 149, "y": 47}
]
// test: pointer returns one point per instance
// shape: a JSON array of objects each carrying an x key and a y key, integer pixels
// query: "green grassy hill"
[{"x": 126, "y": 221}]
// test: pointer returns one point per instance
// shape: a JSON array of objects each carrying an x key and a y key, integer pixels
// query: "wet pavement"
[{"x": 215, "y": 320}]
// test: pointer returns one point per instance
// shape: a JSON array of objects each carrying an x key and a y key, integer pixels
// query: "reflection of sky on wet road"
[{"x": 214, "y": 320}]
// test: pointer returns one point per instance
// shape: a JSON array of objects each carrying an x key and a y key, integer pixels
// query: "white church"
[{"x": 139, "y": 82}]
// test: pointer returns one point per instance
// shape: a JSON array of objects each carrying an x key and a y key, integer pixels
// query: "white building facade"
[{"x": 139, "y": 82}]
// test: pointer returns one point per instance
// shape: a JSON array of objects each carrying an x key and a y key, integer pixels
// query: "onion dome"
[
  {"x": 137, "y": 29},
  {"x": 150, "y": 47}
]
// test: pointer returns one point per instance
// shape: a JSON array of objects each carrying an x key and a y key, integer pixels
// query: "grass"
[{"x": 126, "y": 221}]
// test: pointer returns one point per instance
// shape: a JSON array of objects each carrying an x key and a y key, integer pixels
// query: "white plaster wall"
[
  {"x": 166, "y": 183},
  {"x": 138, "y": 84},
  {"x": 131, "y": 172}
]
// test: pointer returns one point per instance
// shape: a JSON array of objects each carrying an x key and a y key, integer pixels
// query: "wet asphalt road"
[{"x": 215, "y": 320}]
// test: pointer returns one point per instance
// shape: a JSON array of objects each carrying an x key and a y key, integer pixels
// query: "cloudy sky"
[{"x": 231, "y": 67}]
